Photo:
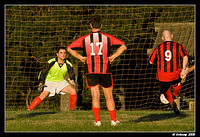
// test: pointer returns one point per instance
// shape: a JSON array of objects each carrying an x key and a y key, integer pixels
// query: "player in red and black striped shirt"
[
  {"x": 97, "y": 59},
  {"x": 168, "y": 56}
]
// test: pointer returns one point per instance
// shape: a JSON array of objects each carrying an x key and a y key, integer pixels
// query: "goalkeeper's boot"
[
  {"x": 113, "y": 123},
  {"x": 175, "y": 109},
  {"x": 97, "y": 124}
]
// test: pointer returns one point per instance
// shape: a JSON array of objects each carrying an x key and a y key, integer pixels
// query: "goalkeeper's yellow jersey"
[
  {"x": 53, "y": 72},
  {"x": 56, "y": 73}
]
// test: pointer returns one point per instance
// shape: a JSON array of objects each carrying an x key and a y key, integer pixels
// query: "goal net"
[{"x": 32, "y": 33}]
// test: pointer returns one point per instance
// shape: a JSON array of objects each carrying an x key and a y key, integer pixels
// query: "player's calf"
[
  {"x": 35, "y": 102},
  {"x": 72, "y": 101},
  {"x": 169, "y": 96},
  {"x": 177, "y": 89}
]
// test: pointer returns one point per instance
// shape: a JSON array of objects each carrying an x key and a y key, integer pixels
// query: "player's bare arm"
[
  {"x": 119, "y": 51},
  {"x": 190, "y": 69},
  {"x": 77, "y": 55},
  {"x": 184, "y": 71},
  {"x": 185, "y": 61}
]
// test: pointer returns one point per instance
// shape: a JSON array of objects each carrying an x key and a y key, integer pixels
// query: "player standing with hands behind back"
[
  {"x": 97, "y": 59},
  {"x": 168, "y": 56}
]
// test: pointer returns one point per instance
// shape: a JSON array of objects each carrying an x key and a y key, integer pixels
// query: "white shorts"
[{"x": 55, "y": 87}]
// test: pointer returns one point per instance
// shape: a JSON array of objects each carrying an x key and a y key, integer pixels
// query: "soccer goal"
[{"x": 32, "y": 32}]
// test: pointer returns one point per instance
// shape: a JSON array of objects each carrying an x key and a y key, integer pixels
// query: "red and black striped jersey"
[
  {"x": 168, "y": 56},
  {"x": 96, "y": 47}
]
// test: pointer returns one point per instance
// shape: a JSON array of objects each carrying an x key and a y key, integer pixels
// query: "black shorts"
[
  {"x": 104, "y": 80},
  {"x": 164, "y": 86}
]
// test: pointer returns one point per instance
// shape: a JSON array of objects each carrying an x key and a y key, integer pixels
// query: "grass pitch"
[{"x": 82, "y": 121}]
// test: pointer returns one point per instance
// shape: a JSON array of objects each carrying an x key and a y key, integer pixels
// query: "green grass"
[{"x": 134, "y": 121}]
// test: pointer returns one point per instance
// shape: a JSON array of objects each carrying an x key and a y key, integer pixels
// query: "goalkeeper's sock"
[
  {"x": 176, "y": 88},
  {"x": 113, "y": 115},
  {"x": 169, "y": 96},
  {"x": 35, "y": 102},
  {"x": 96, "y": 114},
  {"x": 72, "y": 101}
]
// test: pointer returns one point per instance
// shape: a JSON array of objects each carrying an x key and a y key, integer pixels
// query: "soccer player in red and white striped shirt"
[
  {"x": 168, "y": 56},
  {"x": 97, "y": 59}
]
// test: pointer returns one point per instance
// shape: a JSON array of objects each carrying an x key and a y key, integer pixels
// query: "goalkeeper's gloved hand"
[
  {"x": 71, "y": 82},
  {"x": 41, "y": 86}
]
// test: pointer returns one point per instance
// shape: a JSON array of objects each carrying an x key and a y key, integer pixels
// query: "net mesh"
[{"x": 33, "y": 33}]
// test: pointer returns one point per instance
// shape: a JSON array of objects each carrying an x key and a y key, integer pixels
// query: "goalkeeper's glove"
[
  {"x": 71, "y": 82},
  {"x": 41, "y": 86}
]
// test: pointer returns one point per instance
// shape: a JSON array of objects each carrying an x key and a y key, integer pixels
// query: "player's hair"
[
  {"x": 96, "y": 21},
  {"x": 60, "y": 47}
]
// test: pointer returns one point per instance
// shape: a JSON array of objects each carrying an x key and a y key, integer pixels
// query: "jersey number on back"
[
  {"x": 100, "y": 44},
  {"x": 168, "y": 55}
]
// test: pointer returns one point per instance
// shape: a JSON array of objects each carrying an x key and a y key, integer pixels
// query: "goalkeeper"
[{"x": 52, "y": 80}]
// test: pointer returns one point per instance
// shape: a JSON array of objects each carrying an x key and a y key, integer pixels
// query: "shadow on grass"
[
  {"x": 29, "y": 115},
  {"x": 158, "y": 117}
]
